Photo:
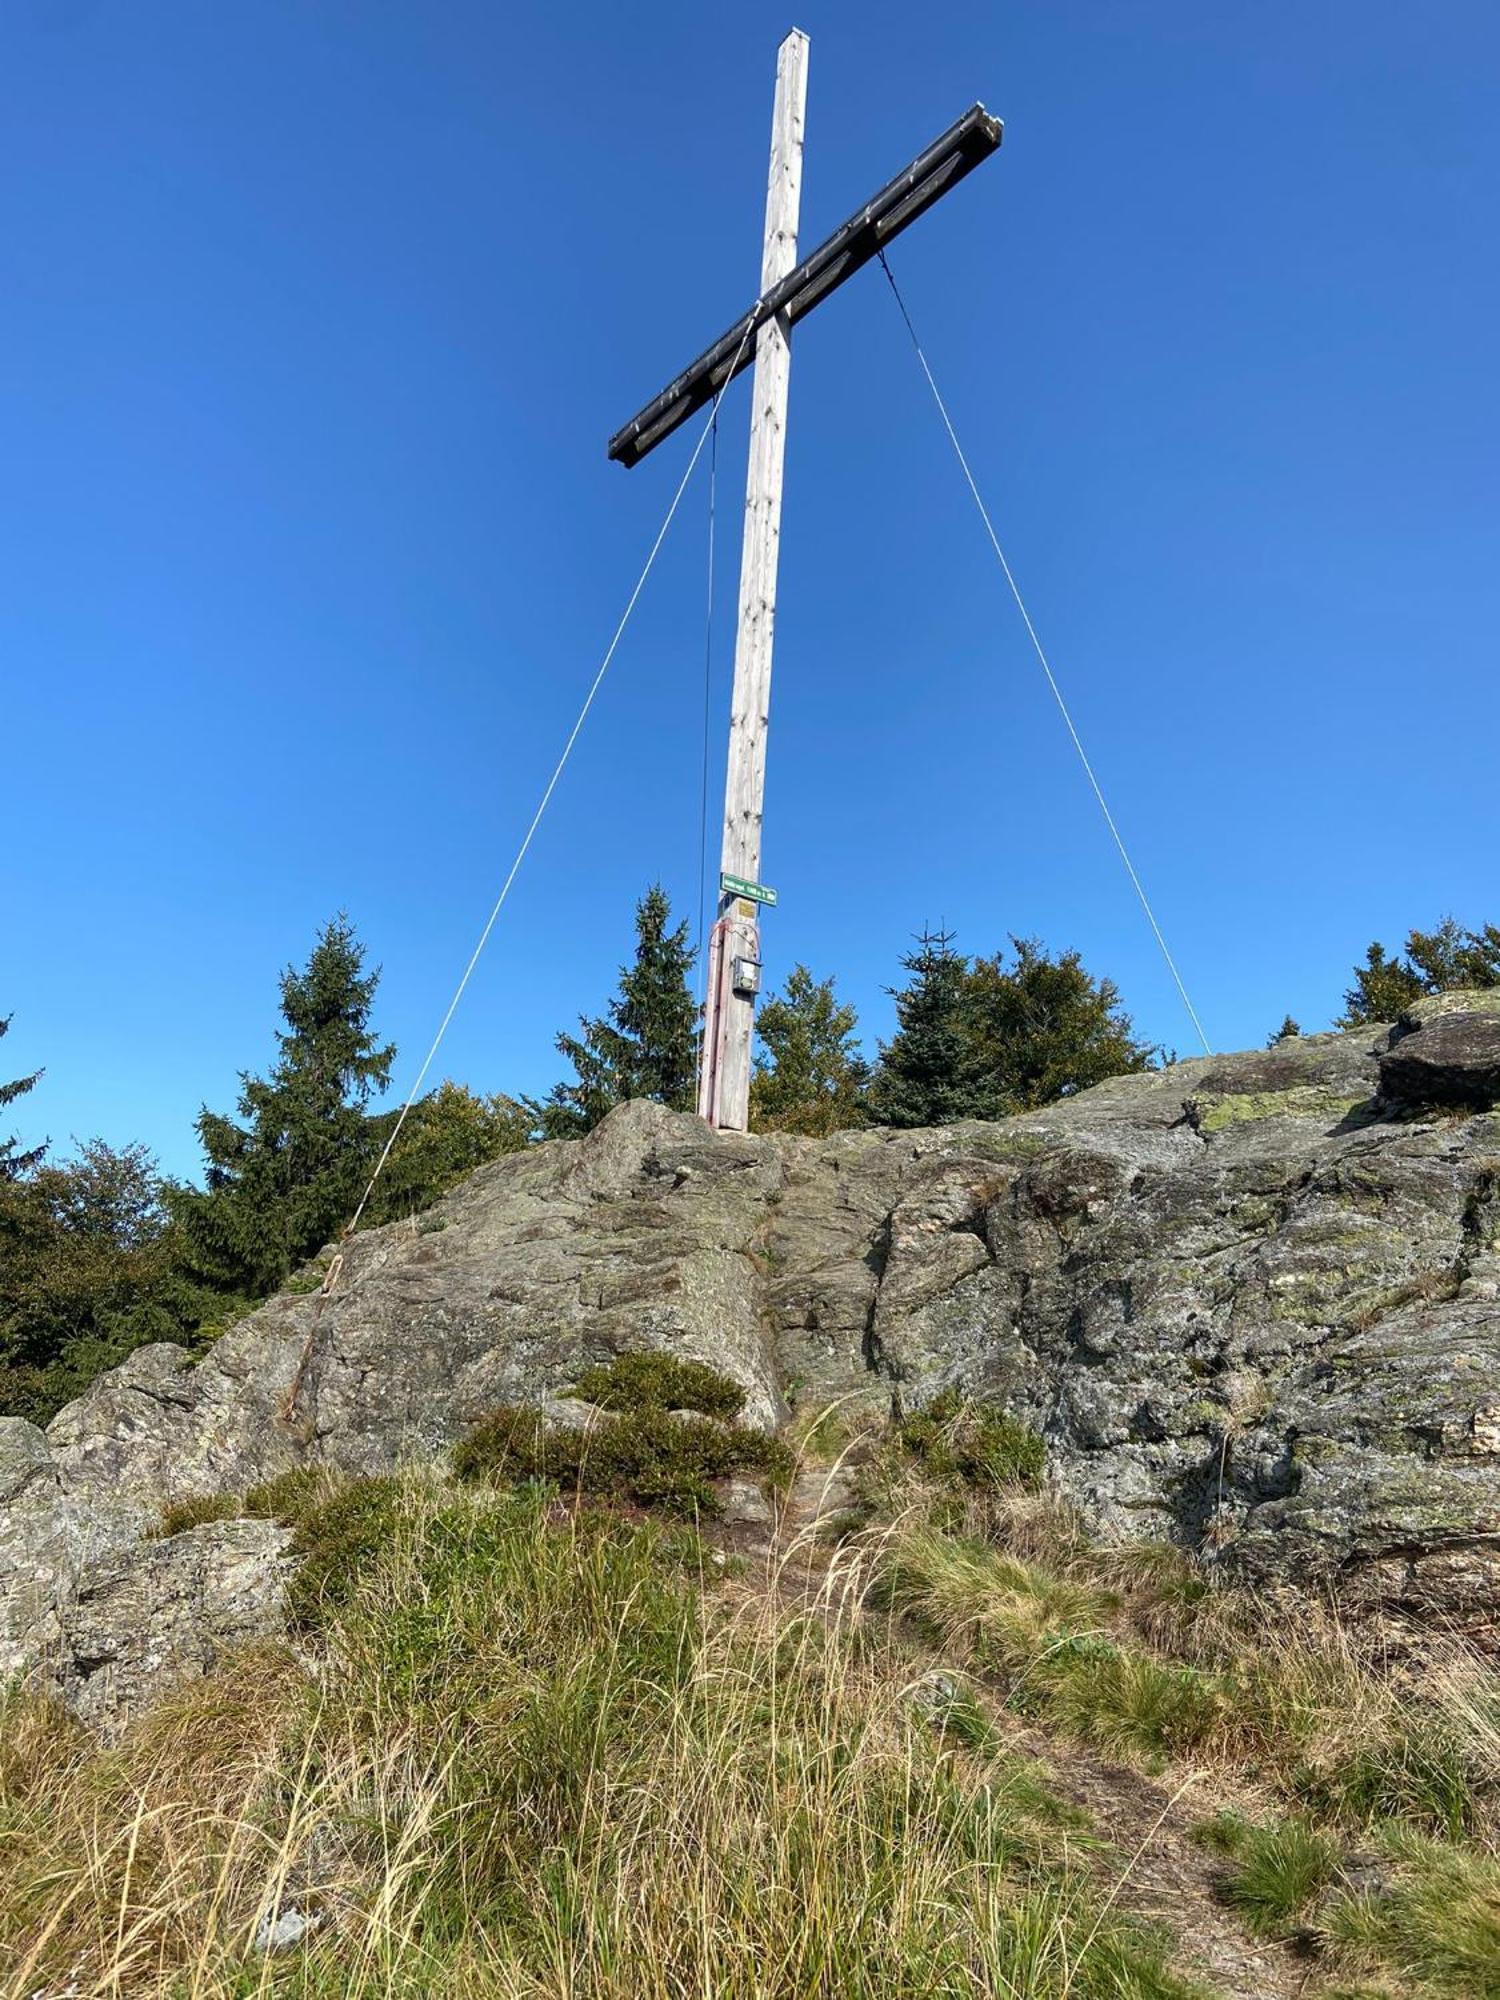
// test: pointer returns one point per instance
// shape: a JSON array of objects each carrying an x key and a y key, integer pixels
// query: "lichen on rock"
[{"x": 1244, "y": 1305}]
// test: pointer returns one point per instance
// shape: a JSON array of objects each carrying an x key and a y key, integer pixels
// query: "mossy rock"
[
  {"x": 1462, "y": 1000},
  {"x": 1214, "y": 1111}
]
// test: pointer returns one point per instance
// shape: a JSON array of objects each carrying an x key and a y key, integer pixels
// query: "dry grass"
[
  {"x": 1376, "y": 1788},
  {"x": 1412, "y": 1913},
  {"x": 1143, "y": 1652},
  {"x": 536, "y": 1752},
  {"x": 525, "y": 1748}
]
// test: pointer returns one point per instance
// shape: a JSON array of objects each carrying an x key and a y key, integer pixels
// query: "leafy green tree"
[
  {"x": 924, "y": 1076},
  {"x": 447, "y": 1134},
  {"x": 1436, "y": 961},
  {"x": 1287, "y": 1032},
  {"x": 88, "y": 1271},
  {"x": 279, "y": 1185},
  {"x": 13, "y": 1160},
  {"x": 811, "y": 1078},
  {"x": 646, "y": 1042},
  {"x": 109, "y": 1194},
  {"x": 1042, "y": 1028}
]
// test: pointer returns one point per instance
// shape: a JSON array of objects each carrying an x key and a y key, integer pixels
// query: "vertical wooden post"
[{"x": 729, "y": 1024}]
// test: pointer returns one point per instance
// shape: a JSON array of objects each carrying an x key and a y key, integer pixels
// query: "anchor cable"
[
  {"x": 331, "y": 1276},
  {"x": 1057, "y": 693},
  {"x": 552, "y": 783}
]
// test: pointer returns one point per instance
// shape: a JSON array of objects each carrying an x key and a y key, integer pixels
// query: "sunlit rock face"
[{"x": 1252, "y": 1304}]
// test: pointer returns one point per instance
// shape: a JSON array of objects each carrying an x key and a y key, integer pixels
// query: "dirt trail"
[
  {"x": 1163, "y": 1873},
  {"x": 1151, "y": 1864}
]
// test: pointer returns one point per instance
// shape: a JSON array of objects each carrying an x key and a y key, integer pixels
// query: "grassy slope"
[
  {"x": 532, "y": 1750},
  {"x": 1365, "y": 1823},
  {"x": 522, "y": 1746}
]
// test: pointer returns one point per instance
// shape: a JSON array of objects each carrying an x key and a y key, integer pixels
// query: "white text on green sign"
[{"x": 736, "y": 885}]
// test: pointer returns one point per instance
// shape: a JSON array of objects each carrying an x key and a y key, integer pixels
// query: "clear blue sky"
[{"x": 317, "y": 314}]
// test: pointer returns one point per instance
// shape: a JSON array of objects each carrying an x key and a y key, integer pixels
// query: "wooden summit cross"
[{"x": 788, "y": 290}]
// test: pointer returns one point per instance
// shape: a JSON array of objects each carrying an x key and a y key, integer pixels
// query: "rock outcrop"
[
  {"x": 1251, "y": 1303},
  {"x": 103, "y": 1616},
  {"x": 1445, "y": 1051}
]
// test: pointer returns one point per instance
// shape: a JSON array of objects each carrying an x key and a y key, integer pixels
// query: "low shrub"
[
  {"x": 338, "y": 1540},
  {"x": 655, "y": 1381},
  {"x": 648, "y": 1456}
]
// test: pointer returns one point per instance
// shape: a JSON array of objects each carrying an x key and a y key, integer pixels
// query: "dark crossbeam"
[{"x": 931, "y": 174}]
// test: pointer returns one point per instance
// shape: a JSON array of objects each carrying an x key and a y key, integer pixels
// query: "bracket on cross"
[{"x": 935, "y": 170}]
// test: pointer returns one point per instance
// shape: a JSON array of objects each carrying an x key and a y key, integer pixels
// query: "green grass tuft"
[
  {"x": 1276, "y": 1872},
  {"x": 338, "y": 1541},
  {"x": 177, "y": 1516},
  {"x": 957, "y": 1712},
  {"x": 291, "y": 1496},
  {"x": 1436, "y": 1921},
  {"x": 1126, "y": 1702},
  {"x": 287, "y": 1498},
  {"x": 971, "y": 1444},
  {"x": 1417, "y": 1774}
]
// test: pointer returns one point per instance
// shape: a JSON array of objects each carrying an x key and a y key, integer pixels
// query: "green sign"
[{"x": 736, "y": 885}]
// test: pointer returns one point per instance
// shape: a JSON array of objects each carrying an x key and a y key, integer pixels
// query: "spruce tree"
[
  {"x": 1436, "y": 961},
  {"x": 811, "y": 1078},
  {"x": 924, "y": 1076},
  {"x": 646, "y": 1043},
  {"x": 1287, "y": 1032},
  {"x": 1449, "y": 957},
  {"x": 1383, "y": 988},
  {"x": 14, "y": 1160},
  {"x": 279, "y": 1184},
  {"x": 1040, "y": 1029},
  {"x": 989, "y": 1039}
]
